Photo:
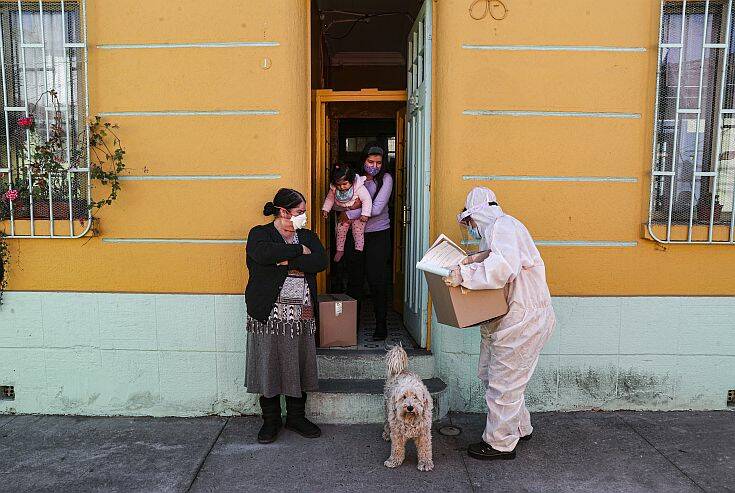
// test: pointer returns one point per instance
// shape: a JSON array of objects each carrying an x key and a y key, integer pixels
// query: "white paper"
[{"x": 443, "y": 255}]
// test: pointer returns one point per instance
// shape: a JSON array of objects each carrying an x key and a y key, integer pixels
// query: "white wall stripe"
[
  {"x": 593, "y": 244},
  {"x": 234, "y": 44},
  {"x": 618, "y": 49},
  {"x": 612, "y": 179},
  {"x": 199, "y": 177},
  {"x": 172, "y": 240},
  {"x": 191, "y": 113},
  {"x": 577, "y": 114},
  {"x": 562, "y": 243}
]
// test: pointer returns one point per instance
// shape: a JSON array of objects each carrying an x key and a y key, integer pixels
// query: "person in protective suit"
[{"x": 510, "y": 346}]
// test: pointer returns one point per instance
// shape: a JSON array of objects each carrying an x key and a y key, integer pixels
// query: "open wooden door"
[
  {"x": 399, "y": 219},
  {"x": 418, "y": 146}
]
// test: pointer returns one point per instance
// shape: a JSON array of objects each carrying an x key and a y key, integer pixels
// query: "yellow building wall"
[
  {"x": 232, "y": 79},
  {"x": 211, "y": 79},
  {"x": 563, "y": 81}
]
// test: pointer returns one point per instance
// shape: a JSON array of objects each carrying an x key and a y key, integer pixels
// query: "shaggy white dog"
[{"x": 408, "y": 406}]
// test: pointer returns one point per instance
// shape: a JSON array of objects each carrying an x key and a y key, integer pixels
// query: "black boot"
[
  {"x": 271, "y": 408},
  {"x": 296, "y": 417},
  {"x": 483, "y": 451},
  {"x": 381, "y": 331}
]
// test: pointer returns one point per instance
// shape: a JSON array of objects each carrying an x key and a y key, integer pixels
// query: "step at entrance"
[
  {"x": 369, "y": 365},
  {"x": 355, "y": 400}
]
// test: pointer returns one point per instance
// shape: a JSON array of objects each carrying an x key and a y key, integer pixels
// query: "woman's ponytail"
[{"x": 269, "y": 209}]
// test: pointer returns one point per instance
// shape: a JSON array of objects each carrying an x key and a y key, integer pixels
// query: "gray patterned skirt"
[{"x": 281, "y": 353}]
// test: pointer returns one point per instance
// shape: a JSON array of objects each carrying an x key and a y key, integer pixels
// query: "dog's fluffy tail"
[{"x": 396, "y": 360}]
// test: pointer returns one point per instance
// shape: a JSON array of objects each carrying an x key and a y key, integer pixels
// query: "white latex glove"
[
  {"x": 454, "y": 278},
  {"x": 478, "y": 257}
]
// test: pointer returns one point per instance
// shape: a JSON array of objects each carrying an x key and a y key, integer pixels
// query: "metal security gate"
[
  {"x": 43, "y": 53},
  {"x": 693, "y": 173},
  {"x": 418, "y": 145}
]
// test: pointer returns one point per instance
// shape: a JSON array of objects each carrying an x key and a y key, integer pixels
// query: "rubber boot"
[
  {"x": 272, "y": 423},
  {"x": 296, "y": 417}
]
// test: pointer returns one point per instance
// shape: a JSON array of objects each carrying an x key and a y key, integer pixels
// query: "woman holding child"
[{"x": 373, "y": 258}]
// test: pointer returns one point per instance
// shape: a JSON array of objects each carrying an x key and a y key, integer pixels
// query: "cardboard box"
[
  {"x": 461, "y": 307},
  {"x": 337, "y": 320},
  {"x": 458, "y": 307}
]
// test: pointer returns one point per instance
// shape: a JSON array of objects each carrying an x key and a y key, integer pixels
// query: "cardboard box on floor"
[
  {"x": 458, "y": 307},
  {"x": 337, "y": 320}
]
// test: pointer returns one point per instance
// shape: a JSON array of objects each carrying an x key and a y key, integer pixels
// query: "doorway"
[
  {"x": 345, "y": 122},
  {"x": 370, "y": 88}
]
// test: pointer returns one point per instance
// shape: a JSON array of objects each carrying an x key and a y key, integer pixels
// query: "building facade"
[{"x": 560, "y": 107}]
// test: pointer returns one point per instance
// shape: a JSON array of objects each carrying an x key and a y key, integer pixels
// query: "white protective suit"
[{"x": 510, "y": 347}]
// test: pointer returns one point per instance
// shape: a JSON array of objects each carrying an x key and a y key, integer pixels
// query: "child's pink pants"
[{"x": 358, "y": 233}]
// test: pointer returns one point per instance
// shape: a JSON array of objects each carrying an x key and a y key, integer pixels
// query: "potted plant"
[{"x": 45, "y": 164}]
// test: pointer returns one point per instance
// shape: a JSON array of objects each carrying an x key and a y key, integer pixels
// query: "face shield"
[{"x": 470, "y": 233}]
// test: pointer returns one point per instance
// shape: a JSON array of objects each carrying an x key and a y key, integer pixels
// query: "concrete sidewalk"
[{"x": 596, "y": 452}]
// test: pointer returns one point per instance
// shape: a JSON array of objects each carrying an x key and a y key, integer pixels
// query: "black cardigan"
[{"x": 265, "y": 249}]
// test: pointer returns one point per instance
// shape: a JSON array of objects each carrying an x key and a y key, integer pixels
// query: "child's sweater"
[{"x": 360, "y": 192}]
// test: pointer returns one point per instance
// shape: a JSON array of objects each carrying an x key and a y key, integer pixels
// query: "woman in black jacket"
[{"x": 283, "y": 260}]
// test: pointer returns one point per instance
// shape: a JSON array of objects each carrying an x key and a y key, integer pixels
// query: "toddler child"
[{"x": 345, "y": 190}]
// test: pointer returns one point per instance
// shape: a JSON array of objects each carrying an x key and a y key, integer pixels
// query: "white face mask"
[{"x": 299, "y": 222}]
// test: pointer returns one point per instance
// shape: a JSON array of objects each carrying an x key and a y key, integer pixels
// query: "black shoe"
[
  {"x": 296, "y": 418},
  {"x": 526, "y": 438},
  {"x": 272, "y": 423},
  {"x": 483, "y": 451},
  {"x": 381, "y": 332}
]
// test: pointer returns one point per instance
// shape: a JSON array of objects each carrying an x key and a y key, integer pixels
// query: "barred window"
[
  {"x": 43, "y": 58},
  {"x": 693, "y": 177}
]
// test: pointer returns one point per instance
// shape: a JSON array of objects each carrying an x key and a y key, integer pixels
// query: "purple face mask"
[{"x": 371, "y": 170}]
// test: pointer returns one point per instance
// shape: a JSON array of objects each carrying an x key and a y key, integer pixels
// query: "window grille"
[
  {"x": 693, "y": 173},
  {"x": 43, "y": 48}
]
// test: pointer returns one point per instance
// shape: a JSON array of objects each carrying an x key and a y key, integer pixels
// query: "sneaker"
[{"x": 483, "y": 451}]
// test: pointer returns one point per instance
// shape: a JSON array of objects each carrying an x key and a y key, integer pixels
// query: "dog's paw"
[
  {"x": 392, "y": 463},
  {"x": 425, "y": 465},
  {"x": 386, "y": 436}
]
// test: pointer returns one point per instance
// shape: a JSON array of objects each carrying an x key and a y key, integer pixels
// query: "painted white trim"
[
  {"x": 191, "y": 113},
  {"x": 575, "y": 114},
  {"x": 613, "y": 179},
  {"x": 199, "y": 177},
  {"x": 572, "y": 243},
  {"x": 233, "y": 44},
  {"x": 614, "y": 49},
  {"x": 172, "y": 240},
  {"x": 591, "y": 244}
]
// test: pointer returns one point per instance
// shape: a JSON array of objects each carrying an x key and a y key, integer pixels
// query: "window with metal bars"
[
  {"x": 693, "y": 175},
  {"x": 43, "y": 57}
]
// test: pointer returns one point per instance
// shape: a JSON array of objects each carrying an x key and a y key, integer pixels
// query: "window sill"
[
  {"x": 42, "y": 228},
  {"x": 680, "y": 233}
]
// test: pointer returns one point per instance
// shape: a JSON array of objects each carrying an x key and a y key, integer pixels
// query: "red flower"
[
  {"x": 26, "y": 122},
  {"x": 11, "y": 195}
]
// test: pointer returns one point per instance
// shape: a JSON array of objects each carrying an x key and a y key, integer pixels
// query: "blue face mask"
[{"x": 474, "y": 232}]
